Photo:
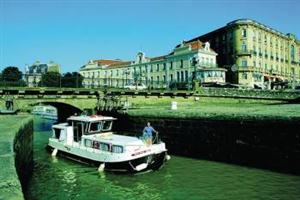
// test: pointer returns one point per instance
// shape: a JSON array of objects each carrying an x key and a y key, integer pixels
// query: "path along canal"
[{"x": 182, "y": 178}]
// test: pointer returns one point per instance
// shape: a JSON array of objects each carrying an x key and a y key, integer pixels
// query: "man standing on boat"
[{"x": 147, "y": 133}]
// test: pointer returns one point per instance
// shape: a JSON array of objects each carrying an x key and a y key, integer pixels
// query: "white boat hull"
[{"x": 153, "y": 157}]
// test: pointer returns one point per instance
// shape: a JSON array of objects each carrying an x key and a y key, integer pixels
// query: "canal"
[{"x": 181, "y": 178}]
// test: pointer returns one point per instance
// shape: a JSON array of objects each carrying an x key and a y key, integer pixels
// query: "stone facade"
[
  {"x": 255, "y": 54},
  {"x": 33, "y": 73},
  {"x": 187, "y": 61}
]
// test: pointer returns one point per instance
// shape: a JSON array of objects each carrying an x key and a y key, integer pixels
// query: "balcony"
[
  {"x": 274, "y": 71},
  {"x": 207, "y": 65},
  {"x": 243, "y": 53}
]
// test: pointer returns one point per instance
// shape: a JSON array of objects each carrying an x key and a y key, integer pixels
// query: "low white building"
[{"x": 187, "y": 62}]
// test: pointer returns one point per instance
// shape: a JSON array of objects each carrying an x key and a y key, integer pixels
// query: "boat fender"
[
  {"x": 141, "y": 166},
  {"x": 168, "y": 157},
  {"x": 54, "y": 152},
  {"x": 101, "y": 167}
]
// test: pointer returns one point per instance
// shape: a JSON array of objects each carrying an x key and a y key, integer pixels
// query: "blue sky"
[{"x": 71, "y": 32}]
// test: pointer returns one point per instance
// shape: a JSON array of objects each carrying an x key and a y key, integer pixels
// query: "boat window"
[
  {"x": 77, "y": 130},
  {"x": 88, "y": 143},
  {"x": 106, "y": 125},
  {"x": 104, "y": 146},
  {"x": 85, "y": 127},
  {"x": 96, "y": 145},
  {"x": 56, "y": 133},
  {"x": 117, "y": 149},
  {"x": 95, "y": 127}
]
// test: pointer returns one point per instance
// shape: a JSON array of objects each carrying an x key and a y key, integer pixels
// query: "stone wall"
[
  {"x": 273, "y": 145},
  {"x": 23, "y": 148},
  {"x": 249, "y": 93},
  {"x": 16, "y": 155}
]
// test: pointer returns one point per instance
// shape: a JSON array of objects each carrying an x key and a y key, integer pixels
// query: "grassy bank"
[
  {"x": 214, "y": 108},
  {"x": 10, "y": 187}
]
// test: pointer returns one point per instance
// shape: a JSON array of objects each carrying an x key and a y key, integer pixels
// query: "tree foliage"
[
  {"x": 11, "y": 74},
  {"x": 72, "y": 80},
  {"x": 51, "y": 79}
]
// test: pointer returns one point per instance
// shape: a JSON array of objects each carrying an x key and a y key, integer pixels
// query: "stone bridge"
[
  {"x": 67, "y": 102},
  {"x": 74, "y": 100}
]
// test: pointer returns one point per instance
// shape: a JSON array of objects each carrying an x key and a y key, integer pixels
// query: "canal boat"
[
  {"x": 46, "y": 112},
  {"x": 90, "y": 138}
]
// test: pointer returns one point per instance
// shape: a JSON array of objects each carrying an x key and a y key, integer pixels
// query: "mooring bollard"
[{"x": 173, "y": 105}]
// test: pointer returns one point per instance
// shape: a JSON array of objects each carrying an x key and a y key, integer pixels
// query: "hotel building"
[
  {"x": 254, "y": 54},
  {"x": 187, "y": 62}
]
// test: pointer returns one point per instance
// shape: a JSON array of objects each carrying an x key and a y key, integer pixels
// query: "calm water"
[{"x": 181, "y": 178}]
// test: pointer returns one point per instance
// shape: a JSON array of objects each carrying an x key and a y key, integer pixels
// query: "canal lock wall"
[
  {"x": 16, "y": 156},
  {"x": 267, "y": 144}
]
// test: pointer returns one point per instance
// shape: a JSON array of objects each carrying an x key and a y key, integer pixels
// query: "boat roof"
[
  {"x": 91, "y": 118},
  {"x": 115, "y": 139}
]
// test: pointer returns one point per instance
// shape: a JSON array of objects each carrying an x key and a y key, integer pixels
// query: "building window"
[
  {"x": 151, "y": 68},
  {"x": 244, "y": 63},
  {"x": 164, "y": 79},
  {"x": 244, "y": 47},
  {"x": 182, "y": 76},
  {"x": 244, "y": 32},
  {"x": 151, "y": 79},
  {"x": 157, "y": 67},
  {"x": 293, "y": 71},
  {"x": 164, "y": 66},
  {"x": 171, "y": 65},
  {"x": 171, "y": 77},
  {"x": 178, "y": 76},
  {"x": 223, "y": 37},
  {"x": 293, "y": 53},
  {"x": 181, "y": 63},
  {"x": 244, "y": 76},
  {"x": 186, "y": 75},
  {"x": 157, "y": 79}
]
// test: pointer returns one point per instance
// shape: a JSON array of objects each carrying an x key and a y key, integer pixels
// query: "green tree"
[
  {"x": 11, "y": 74},
  {"x": 73, "y": 79},
  {"x": 51, "y": 79}
]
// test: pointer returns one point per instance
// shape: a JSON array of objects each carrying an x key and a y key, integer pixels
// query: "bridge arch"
[{"x": 64, "y": 110}]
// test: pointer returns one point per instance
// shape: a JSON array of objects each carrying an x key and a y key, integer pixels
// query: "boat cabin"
[{"x": 77, "y": 126}]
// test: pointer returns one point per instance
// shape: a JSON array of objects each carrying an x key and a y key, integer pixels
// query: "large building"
[
  {"x": 187, "y": 62},
  {"x": 33, "y": 73},
  {"x": 255, "y": 54}
]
